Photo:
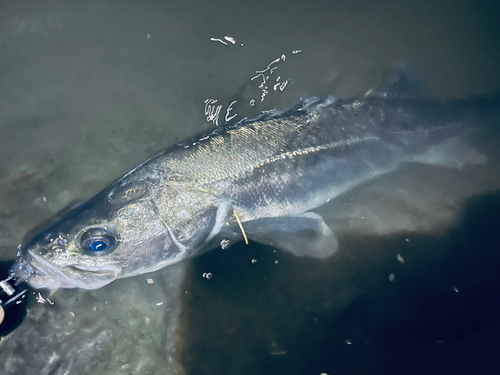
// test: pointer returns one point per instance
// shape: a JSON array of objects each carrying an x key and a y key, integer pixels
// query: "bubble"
[
  {"x": 207, "y": 275},
  {"x": 40, "y": 299}
]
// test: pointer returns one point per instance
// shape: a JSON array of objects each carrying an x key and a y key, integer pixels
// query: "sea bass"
[{"x": 257, "y": 179}]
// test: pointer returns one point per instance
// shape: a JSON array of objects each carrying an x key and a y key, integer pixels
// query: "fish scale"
[{"x": 268, "y": 172}]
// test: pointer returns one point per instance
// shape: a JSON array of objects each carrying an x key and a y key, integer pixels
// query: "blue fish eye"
[
  {"x": 98, "y": 241},
  {"x": 98, "y": 245}
]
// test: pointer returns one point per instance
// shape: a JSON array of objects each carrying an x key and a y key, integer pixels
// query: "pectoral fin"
[
  {"x": 302, "y": 235},
  {"x": 453, "y": 154}
]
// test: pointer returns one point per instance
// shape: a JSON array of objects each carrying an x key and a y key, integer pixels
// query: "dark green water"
[
  {"x": 90, "y": 89},
  {"x": 440, "y": 315}
]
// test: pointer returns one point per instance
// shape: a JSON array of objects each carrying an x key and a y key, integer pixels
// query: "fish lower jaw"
[{"x": 38, "y": 281}]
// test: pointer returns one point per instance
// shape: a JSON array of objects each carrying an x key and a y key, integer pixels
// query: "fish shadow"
[{"x": 408, "y": 302}]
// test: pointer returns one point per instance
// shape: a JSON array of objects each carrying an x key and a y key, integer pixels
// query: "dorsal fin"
[{"x": 402, "y": 83}]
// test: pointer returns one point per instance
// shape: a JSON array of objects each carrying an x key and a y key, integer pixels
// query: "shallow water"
[{"x": 90, "y": 89}]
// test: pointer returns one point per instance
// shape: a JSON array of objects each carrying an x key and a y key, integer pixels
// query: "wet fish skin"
[{"x": 269, "y": 171}]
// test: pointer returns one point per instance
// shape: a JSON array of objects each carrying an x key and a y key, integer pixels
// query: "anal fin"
[{"x": 452, "y": 153}]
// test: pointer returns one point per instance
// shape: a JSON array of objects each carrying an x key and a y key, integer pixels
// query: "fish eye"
[{"x": 98, "y": 241}]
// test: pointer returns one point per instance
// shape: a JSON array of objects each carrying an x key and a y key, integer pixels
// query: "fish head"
[{"x": 114, "y": 235}]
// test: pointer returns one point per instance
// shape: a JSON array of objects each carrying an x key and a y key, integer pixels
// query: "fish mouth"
[{"x": 45, "y": 275}]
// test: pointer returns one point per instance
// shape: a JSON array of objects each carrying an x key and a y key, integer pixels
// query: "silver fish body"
[{"x": 268, "y": 172}]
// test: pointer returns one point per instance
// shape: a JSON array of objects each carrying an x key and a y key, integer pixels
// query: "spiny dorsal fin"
[{"x": 402, "y": 83}]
